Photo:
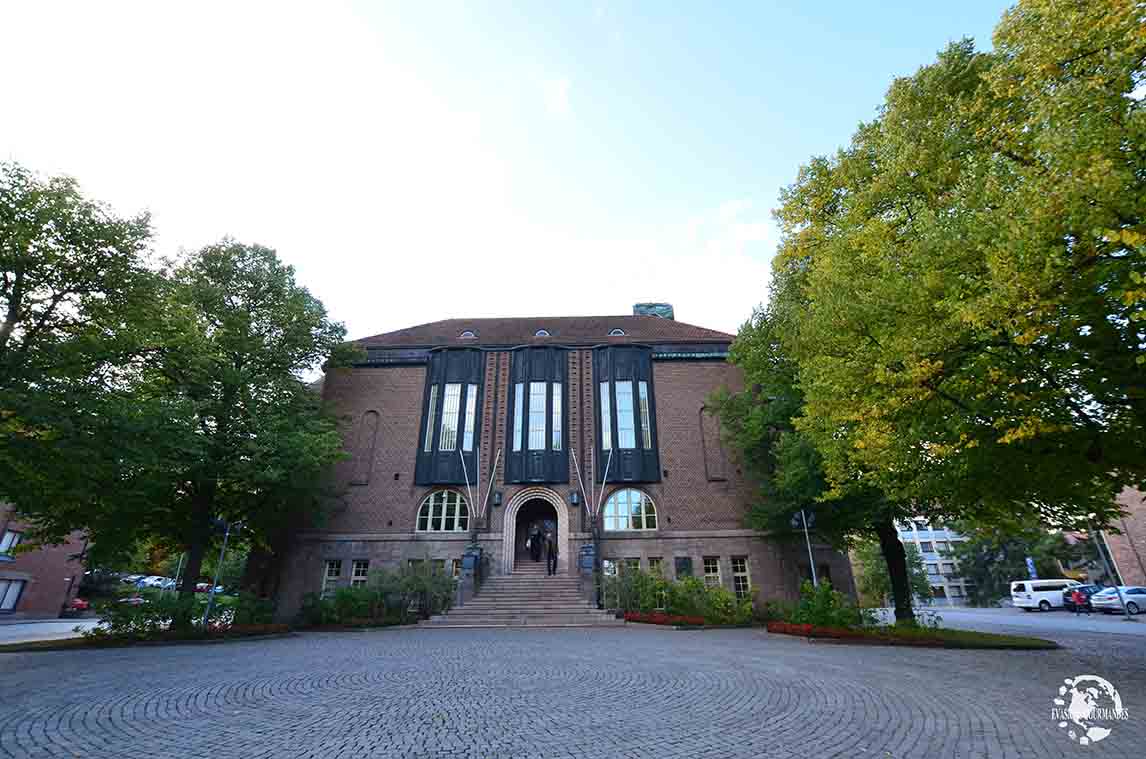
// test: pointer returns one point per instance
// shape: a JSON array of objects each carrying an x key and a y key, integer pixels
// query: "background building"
[
  {"x": 934, "y": 542},
  {"x": 545, "y": 406},
  {"x": 35, "y": 583}
]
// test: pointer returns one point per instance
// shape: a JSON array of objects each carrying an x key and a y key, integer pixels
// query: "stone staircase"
[{"x": 527, "y": 598}]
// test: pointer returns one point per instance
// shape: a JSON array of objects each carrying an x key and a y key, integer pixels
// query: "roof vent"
[
  {"x": 541, "y": 333},
  {"x": 616, "y": 332},
  {"x": 468, "y": 335},
  {"x": 663, "y": 310}
]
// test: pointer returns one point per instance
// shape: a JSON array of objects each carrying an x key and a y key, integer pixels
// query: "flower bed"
[
  {"x": 660, "y": 618},
  {"x": 932, "y": 637}
]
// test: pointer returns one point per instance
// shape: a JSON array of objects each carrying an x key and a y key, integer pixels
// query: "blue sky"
[{"x": 419, "y": 161}]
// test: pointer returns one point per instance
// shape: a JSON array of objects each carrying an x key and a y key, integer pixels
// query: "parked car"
[
  {"x": 133, "y": 600},
  {"x": 1086, "y": 590},
  {"x": 78, "y": 604},
  {"x": 1043, "y": 595},
  {"x": 151, "y": 581},
  {"x": 1107, "y": 602},
  {"x": 131, "y": 578}
]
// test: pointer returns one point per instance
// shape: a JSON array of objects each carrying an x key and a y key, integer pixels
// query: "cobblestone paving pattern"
[{"x": 623, "y": 692}]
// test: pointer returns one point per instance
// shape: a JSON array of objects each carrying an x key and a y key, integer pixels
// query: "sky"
[{"x": 418, "y": 161}]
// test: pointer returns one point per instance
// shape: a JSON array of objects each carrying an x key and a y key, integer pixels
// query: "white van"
[{"x": 1043, "y": 595}]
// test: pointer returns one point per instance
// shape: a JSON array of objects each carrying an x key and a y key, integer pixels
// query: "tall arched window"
[
  {"x": 630, "y": 509},
  {"x": 444, "y": 511}
]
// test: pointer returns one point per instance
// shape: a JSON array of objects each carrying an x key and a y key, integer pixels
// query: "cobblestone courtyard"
[{"x": 628, "y": 692}]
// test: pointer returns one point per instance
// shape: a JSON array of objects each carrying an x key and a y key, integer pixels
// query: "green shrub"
[
  {"x": 159, "y": 612},
  {"x": 388, "y": 597},
  {"x": 636, "y": 592},
  {"x": 824, "y": 607},
  {"x": 249, "y": 609}
]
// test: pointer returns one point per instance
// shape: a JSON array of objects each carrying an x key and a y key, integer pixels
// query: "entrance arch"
[{"x": 509, "y": 526}]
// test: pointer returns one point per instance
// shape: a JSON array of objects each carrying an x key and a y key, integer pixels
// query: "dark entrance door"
[{"x": 534, "y": 513}]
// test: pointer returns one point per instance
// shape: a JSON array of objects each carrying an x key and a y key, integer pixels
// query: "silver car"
[{"x": 1106, "y": 600}]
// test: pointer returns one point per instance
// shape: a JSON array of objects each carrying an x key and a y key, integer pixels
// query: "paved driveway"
[{"x": 620, "y": 692}]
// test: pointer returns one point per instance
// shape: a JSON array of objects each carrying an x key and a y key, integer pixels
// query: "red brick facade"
[
  {"x": 1129, "y": 547},
  {"x": 48, "y": 577},
  {"x": 700, "y": 499}
]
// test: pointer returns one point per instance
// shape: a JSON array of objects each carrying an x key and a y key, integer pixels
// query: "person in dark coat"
[
  {"x": 535, "y": 542},
  {"x": 550, "y": 553}
]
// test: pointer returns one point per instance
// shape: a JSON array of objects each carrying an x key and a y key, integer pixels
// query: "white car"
[
  {"x": 151, "y": 581},
  {"x": 1106, "y": 600},
  {"x": 1043, "y": 595}
]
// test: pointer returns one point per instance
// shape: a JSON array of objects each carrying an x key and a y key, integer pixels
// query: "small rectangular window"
[
  {"x": 518, "y": 411},
  {"x": 556, "y": 442},
  {"x": 646, "y": 428},
  {"x": 683, "y": 566},
  {"x": 359, "y": 572},
  {"x": 331, "y": 572},
  {"x": 537, "y": 416},
  {"x": 632, "y": 565},
  {"x": 606, "y": 419},
  {"x": 438, "y": 566},
  {"x": 941, "y": 547},
  {"x": 655, "y": 565},
  {"x": 427, "y": 445},
  {"x": 741, "y": 583},
  {"x": 956, "y": 591},
  {"x": 932, "y": 569},
  {"x": 926, "y": 546},
  {"x": 10, "y": 540},
  {"x": 712, "y": 571},
  {"x": 451, "y": 407},
  {"x": 948, "y": 568},
  {"x": 10, "y": 591},
  {"x": 471, "y": 415},
  {"x": 455, "y": 568},
  {"x": 626, "y": 422}
]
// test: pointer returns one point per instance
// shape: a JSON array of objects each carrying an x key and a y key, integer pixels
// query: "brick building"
[
  {"x": 534, "y": 403},
  {"x": 35, "y": 584},
  {"x": 1128, "y": 546}
]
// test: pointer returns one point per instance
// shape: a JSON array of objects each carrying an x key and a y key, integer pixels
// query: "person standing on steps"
[
  {"x": 550, "y": 553},
  {"x": 535, "y": 542}
]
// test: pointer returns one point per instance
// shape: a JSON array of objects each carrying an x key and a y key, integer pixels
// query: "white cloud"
[
  {"x": 555, "y": 93},
  {"x": 297, "y": 127}
]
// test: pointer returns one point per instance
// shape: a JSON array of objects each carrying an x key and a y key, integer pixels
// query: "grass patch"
[
  {"x": 104, "y": 640},
  {"x": 928, "y": 637}
]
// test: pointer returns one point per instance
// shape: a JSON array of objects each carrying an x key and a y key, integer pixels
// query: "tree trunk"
[{"x": 896, "y": 558}]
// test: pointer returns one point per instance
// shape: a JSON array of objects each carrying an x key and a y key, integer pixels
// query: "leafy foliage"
[
  {"x": 873, "y": 581},
  {"x": 389, "y": 597},
  {"x": 824, "y": 606},
  {"x": 969, "y": 268},
  {"x": 641, "y": 592},
  {"x": 994, "y": 557}
]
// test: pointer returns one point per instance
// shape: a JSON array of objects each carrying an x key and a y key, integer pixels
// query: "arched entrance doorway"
[
  {"x": 530, "y": 504},
  {"x": 535, "y": 517}
]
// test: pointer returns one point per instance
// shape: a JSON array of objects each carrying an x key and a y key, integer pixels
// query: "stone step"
[{"x": 527, "y": 619}]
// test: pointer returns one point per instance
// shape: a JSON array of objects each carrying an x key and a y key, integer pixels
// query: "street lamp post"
[
  {"x": 796, "y": 523},
  {"x": 215, "y": 579}
]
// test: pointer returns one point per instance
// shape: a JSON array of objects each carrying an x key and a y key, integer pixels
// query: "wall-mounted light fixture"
[
  {"x": 575, "y": 498},
  {"x": 497, "y": 498}
]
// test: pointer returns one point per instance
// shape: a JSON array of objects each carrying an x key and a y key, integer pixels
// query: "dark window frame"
[
  {"x": 462, "y": 366},
  {"x": 641, "y": 463},
  {"x": 550, "y": 365}
]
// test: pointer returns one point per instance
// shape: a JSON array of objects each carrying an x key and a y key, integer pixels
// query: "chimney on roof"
[{"x": 663, "y": 310}]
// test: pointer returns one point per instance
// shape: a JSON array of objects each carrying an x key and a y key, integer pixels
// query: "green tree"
[
  {"x": 216, "y": 422},
  {"x": 760, "y": 427},
  {"x": 971, "y": 317},
  {"x": 76, "y": 297},
  {"x": 240, "y": 334},
  {"x": 992, "y": 558},
  {"x": 874, "y": 582}
]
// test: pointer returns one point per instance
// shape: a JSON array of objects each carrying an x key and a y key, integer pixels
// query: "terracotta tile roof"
[{"x": 563, "y": 330}]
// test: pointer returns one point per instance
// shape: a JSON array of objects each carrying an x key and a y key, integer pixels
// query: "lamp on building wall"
[
  {"x": 575, "y": 498},
  {"x": 497, "y": 498}
]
